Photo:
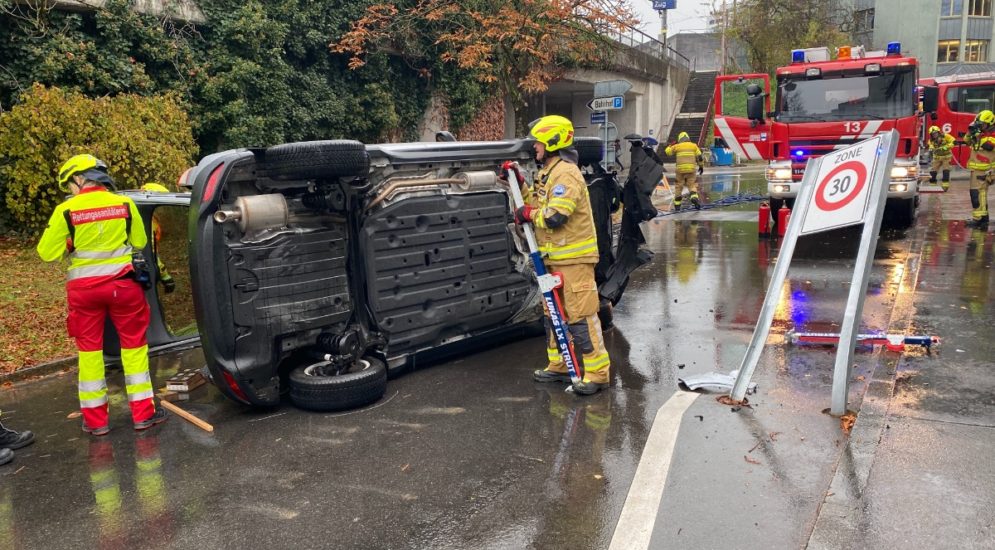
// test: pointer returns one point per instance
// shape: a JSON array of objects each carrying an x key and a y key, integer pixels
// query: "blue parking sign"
[{"x": 618, "y": 102}]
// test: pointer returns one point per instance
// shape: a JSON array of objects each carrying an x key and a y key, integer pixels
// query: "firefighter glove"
[{"x": 524, "y": 214}]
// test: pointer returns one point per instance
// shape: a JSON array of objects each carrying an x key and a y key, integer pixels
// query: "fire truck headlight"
[
  {"x": 782, "y": 188},
  {"x": 782, "y": 173},
  {"x": 898, "y": 187}
]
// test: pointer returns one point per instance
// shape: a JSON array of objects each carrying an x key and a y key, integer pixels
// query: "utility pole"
[{"x": 725, "y": 25}]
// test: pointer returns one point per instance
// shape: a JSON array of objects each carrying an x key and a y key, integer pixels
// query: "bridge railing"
[{"x": 637, "y": 39}]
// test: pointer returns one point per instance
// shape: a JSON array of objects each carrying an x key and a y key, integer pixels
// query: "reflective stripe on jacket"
[
  {"x": 980, "y": 159},
  {"x": 98, "y": 230},
  {"x": 561, "y": 189},
  {"x": 688, "y": 155}
]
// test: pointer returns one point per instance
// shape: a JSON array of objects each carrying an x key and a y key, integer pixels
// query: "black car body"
[{"x": 312, "y": 261}]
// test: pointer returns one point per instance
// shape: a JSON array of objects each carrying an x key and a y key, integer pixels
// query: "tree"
[
  {"x": 770, "y": 29},
  {"x": 517, "y": 47}
]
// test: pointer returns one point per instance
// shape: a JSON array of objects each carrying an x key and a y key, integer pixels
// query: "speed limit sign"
[{"x": 842, "y": 187}]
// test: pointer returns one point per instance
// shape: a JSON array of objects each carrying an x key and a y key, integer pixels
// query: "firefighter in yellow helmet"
[
  {"x": 168, "y": 284},
  {"x": 688, "y": 155},
  {"x": 979, "y": 138},
  {"x": 98, "y": 231},
  {"x": 941, "y": 145},
  {"x": 559, "y": 208}
]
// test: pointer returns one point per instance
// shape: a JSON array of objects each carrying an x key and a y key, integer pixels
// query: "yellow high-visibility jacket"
[
  {"x": 98, "y": 230},
  {"x": 688, "y": 156},
  {"x": 942, "y": 148},
  {"x": 560, "y": 188}
]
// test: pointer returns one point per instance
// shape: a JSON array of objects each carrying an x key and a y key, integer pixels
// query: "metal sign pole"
[
  {"x": 862, "y": 269},
  {"x": 773, "y": 295}
]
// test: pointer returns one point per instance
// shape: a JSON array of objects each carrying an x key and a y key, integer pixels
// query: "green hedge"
[{"x": 142, "y": 139}]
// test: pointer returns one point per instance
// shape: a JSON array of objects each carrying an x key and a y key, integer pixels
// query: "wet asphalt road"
[{"x": 471, "y": 453}]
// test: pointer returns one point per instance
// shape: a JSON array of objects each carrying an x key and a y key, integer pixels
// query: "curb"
[{"x": 38, "y": 371}]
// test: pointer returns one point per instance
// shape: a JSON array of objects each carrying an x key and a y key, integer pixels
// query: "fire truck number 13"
[{"x": 851, "y": 127}]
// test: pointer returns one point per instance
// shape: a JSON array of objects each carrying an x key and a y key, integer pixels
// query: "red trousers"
[{"x": 124, "y": 301}]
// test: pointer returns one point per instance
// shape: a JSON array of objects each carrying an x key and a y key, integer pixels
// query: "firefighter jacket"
[
  {"x": 688, "y": 156},
  {"x": 98, "y": 230},
  {"x": 560, "y": 189},
  {"x": 941, "y": 148},
  {"x": 982, "y": 151}
]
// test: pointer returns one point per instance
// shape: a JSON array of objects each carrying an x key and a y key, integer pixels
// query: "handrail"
[
  {"x": 704, "y": 123},
  {"x": 637, "y": 39}
]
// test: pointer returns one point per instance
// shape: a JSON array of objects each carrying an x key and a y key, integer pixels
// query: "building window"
[
  {"x": 976, "y": 51},
  {"x": 980, "y": 8},
  {"x": 947, "y": 51},
  {"x": 951, "y": 8},
  {"x": 863, "y": 20}
]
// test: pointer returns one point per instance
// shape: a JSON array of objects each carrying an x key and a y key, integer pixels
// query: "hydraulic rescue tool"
[{"x": 548, "y": 282}]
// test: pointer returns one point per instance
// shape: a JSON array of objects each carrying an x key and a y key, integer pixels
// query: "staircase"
[{"x": 694, "y": 109}]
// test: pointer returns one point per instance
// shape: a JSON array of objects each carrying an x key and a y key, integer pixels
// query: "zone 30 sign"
[{"x": 842, "y": 187}]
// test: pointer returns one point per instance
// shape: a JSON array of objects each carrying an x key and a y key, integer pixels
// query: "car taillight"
[
  {"x": 212, "y": 183},
  {"x": 233, "y": 385}
]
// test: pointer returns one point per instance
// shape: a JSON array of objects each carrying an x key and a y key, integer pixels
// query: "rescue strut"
[
  {"x": 548, "y": 282},
  {"x": 893, "y": 342}
]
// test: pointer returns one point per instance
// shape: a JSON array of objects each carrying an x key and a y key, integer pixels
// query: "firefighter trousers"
[
  {"x": 940, "y": 165},
  {"x": 685, "y": 180},
  {"x": 581, "y": 302},
  {"x": 124, "y": 301},
  {"x": 979, "y": 196}
]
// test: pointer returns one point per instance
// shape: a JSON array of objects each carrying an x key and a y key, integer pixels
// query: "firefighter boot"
[
  {"x": 9, "y": 439},
  {"x": 6, "y": 455},
  {"x": 932, "y": 176},
  {"x": 945, "y": 182},
  {"x": 546, "y": 375},
  {"x": 677, "y": 204},
  {"x": 158, "y": 416},
  {"x": 587, "y": 387},
  {"x": 695, "y": 202}
]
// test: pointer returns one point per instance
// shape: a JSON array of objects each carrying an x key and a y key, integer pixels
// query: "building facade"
[{"x": 948, "y": 36}]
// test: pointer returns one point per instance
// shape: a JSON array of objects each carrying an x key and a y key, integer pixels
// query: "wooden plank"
[{"x": 187, "y": 416}]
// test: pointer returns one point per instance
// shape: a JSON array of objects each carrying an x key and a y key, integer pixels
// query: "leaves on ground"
[
  {"x": 847, "y": 421},
  {"x": 750, "y": 460}
]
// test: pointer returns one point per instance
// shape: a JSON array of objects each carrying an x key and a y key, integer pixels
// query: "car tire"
[
  {"x": 313, "y": 391},
  {"x": 589, "y": 151},
  {"x": 318, "y": 159}
]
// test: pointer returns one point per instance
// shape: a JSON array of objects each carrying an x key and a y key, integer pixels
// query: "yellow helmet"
[
  {"x": 155, "y": 188},
  {"x": 683, "y": 136},
  {"x": 88, "y": 166},
  {"x": 553, "y": 131},
  {"x": 934, "y": 129},
  {"x": 987, "y": 117}
]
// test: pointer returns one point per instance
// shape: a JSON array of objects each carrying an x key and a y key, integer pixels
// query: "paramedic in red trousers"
[
  {"x": 559, "y": 209},
  {"x": 97, "y": 231}
]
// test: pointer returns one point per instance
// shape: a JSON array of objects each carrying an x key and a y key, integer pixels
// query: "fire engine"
[
  {"x": 952, "y": 102},
  {"x": 823, "y": 104}
]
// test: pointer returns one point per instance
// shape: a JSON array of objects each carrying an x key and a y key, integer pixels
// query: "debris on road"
[
  {"x": 714, "y": 382},
  {"x": 847, "y": 421},
  {"x": 187, "y": 416},
  {"x": 74, "y": 414},
  {"x": 750, "y": 460}
]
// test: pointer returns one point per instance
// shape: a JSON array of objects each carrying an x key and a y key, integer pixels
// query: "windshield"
[{"x": 876, "y": 97}]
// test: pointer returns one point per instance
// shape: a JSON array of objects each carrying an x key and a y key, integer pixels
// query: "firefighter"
[
  {"x": 98, "y": 231},
  {"x": 940, "y": 144},
  {"x": 559, "y": 208},
  {"x": 11, "y": 440},
  {"x": 168, "y": 284},
  {"x": 982, "y": 154},
  {"x": 688, "y": 155}
]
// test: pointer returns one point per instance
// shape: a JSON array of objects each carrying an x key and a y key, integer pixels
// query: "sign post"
[
  {"x": 609, "y": 95},
  {"x": 845, "y": 187}
]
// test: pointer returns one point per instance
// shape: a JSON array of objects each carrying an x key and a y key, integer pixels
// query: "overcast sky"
[{"x": 690, "y": 15}]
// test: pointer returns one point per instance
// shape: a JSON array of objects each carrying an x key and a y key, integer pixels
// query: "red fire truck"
[
  {"x": 822, "y": 104},
  {"x": 952, "y": 102}
]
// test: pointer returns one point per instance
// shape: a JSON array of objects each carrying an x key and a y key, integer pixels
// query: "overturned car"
[{"x": 321, "y": 267}]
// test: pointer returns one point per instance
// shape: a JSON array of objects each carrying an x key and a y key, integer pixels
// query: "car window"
[{"x": 169, "y": 226}]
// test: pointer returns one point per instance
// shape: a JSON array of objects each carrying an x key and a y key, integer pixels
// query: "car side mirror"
[{"x": 930, "y": 99}]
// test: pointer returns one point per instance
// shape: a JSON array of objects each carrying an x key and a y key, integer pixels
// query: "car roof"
[{"x": 153, "y": 198}]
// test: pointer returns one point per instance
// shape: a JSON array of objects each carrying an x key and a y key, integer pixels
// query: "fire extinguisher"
[
  {"x": 763, "y": 221},
  {"x": 783, "y": 215}
]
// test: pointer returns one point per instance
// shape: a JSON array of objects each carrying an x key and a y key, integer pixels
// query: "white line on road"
[{"x": 635, "y": 525}]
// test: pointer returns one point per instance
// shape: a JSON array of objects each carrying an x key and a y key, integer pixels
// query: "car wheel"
[
  {"x": 318, "y": 159},
  {"x": 589, "y": 151},
  {"x": 312, "y": 388}
]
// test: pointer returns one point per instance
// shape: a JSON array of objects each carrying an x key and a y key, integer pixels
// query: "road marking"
[{"x": 642, "y": 504}]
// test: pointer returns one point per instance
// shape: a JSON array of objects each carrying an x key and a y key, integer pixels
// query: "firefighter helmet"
[
  {"x": 683, "y": 136},
  {"x": 154, "y": 188},
  {"x": 934, "y": 129},
  {"x": 986, "y": 116},
  {"x": 88, "y": 166},
  {"x": 553, "y": 131}
]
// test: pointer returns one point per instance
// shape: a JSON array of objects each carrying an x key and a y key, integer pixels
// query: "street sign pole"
[
  {"x": 862, "y": 271},
  {"x": 773, "y": 296}
]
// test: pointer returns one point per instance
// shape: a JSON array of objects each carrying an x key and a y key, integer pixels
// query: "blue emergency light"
[
  {"x": 797, "y": 56},
  {"x": 799, "y": 153},
  {"x": 894, "y": 48}
]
